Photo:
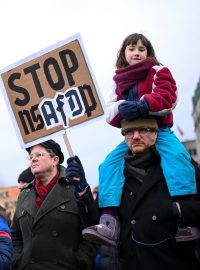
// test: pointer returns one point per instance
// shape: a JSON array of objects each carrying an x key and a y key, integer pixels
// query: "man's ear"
[{"x": 56, "y": 160}]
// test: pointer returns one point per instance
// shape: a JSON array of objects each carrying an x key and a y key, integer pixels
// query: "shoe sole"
[
  {"x": 94, "y": 237},
  {"x": 185, "y": 239}
]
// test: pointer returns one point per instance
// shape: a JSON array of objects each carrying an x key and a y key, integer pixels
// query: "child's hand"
[{"x": 131, "y": 110}]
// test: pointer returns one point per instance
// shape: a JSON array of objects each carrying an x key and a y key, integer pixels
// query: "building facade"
[
  {"x": 191, "y": 146},
  {"x": 8, "y": 198},
  {"x": 196, "y": 117}
]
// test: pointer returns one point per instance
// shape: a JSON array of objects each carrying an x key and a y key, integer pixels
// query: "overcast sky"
[{"x": 28, "y": 26}]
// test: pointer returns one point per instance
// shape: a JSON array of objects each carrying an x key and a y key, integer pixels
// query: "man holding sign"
[{"x": 51, "y": 213}]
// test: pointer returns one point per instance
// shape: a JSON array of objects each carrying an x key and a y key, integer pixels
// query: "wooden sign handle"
[{"x": 67, "y": 143}]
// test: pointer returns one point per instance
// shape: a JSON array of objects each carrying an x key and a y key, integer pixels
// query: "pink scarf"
[{"x": 126, "y": 77}]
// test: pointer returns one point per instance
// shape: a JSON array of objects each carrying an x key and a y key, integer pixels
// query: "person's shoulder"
[
  {"x": 28, "y": 186},
  {"x": 61, "y": 173},
  {"x": 26, "y": 190}
]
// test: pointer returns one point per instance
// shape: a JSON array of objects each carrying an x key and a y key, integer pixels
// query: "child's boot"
[
  {"x": 188, "y": 233},
  {"x": 105, "y": 233}
]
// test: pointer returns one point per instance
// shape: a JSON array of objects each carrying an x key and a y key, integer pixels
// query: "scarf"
[
  {"x": 137, "y": 165},
  {"x": 42, "y": 191},
  {"x": 126, "y": 77}
]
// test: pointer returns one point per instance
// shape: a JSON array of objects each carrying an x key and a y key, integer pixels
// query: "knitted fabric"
[
  {"x": 126, "y": 77},
  {"x": 42, "y": 191}
]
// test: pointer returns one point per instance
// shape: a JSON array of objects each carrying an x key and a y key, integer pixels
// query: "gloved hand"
[
  {"x": 75, "y": 174},
  {"x": 131, "y": 110}
]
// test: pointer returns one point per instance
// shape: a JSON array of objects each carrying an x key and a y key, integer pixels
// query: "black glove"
[
  {"x": 131, "y": 110},
  {"x": 75, "y": 169}
]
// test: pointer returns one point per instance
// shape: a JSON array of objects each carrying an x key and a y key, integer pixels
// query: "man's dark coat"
[
  {"x": 51, "y": 238},
  {"x": 148, "y": 226}
]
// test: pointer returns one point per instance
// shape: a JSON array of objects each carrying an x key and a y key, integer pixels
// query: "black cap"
[
  {"x": 54, "y": 146},
  {"x": 26, "y": 176}
]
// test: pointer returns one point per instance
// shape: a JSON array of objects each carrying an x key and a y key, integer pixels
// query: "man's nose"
[
  {"x": 136, "y": 134},
  {"x": 34, "y": 157}
]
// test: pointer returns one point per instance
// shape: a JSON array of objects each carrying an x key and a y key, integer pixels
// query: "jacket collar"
[
  {"x": 153, "y": 176},
  {"x": 61, "y": 193}
]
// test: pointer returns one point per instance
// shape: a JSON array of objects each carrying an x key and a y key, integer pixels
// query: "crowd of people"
[{"x": 145, "y": 212}]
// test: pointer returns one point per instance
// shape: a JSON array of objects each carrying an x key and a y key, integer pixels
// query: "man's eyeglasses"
[
  {"x": 141, "y": 131},
  {"x": 38, "y": 155}
]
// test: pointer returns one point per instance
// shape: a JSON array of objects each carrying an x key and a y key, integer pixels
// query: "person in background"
[
  {"x": 143, "y": 88},
  {"x": 25, "y": 177},
  {"x": 5, "y": 241},
  {"x": 95, "y": 193},
  {"x": 51, "y": 212}
]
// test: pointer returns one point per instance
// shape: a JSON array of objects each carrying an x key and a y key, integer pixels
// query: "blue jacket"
[{"x": 5, "y": 245}]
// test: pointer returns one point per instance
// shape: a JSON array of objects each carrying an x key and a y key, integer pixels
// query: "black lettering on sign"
[
  {"x": 62, "y": 108},
  {"x": 67, "y": 106},
  {"x": 74, "y": 101},
  {"x": 50, "y": 66},
  {"x": 65, "y": 56},
  {"x": 32, "y": 69},
  {"x": 26, "y": 121},
  {"x": 49, "y": 112},
  {"x": 18, "y": 89},
  {"x": 90, "y": 104},
  {"x": 51, "y": 62},
  {"x": 37, "y": 118},
  {"x": 29, "y": 119}
]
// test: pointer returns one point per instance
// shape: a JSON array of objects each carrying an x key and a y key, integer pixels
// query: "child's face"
[{"x": 135, "y": 53}]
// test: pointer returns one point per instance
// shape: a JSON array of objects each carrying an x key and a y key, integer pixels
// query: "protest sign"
[{"x": 50, "y": 91}]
